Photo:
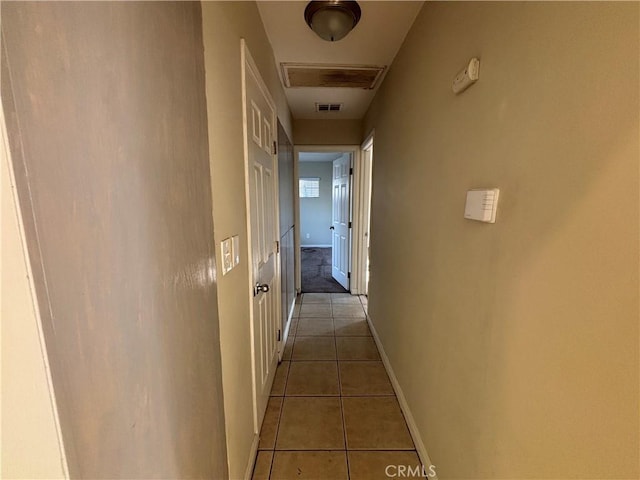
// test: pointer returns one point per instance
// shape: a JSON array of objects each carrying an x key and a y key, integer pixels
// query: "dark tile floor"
[{"x": 332, "y": 413}]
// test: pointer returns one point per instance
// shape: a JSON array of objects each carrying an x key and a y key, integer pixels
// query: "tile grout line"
[
  {"x": 284, "y": 396},
  {"x": 344, "y": 423},
  {"x": 275, "y": 440},
  {"x": 350, "y": 450}
]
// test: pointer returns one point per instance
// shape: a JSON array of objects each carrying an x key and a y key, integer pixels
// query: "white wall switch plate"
[
  {"x": 235, "y": 249},
  {"x": 481, "y": 205},
  {"x": 227, "y": 255}
]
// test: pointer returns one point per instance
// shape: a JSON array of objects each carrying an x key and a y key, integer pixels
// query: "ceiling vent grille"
[
  {"x": 331, "y": 76},
  {"x": 328, "y": 107}
]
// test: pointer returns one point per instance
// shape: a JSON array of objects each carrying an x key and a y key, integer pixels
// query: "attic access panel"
[{"x": 331, "y": 76}]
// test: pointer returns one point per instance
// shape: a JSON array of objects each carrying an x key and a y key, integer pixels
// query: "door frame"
[
  {"x": 362, "y": 214},
  {"x": 247, "y": 61},
  {"x": 357, "y": 268}
]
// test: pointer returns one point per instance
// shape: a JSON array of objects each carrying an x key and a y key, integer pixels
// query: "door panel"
[
  {"x": 263, "y": 215},
  {"x": 340, "y": 244}
]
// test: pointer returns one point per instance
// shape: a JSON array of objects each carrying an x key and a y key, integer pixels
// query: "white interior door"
[
  {"x": 260, "y": 130},
  {"x": 340, "y": 227}
]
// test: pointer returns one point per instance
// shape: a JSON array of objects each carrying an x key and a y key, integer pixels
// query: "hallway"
[
  {"x": 153, "y": 227},
  {"x": 332, "y": 412}
]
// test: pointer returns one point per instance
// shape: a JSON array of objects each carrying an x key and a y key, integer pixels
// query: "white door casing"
[
  {"x": 362, "y": 214},
  {"x": 261, "y": 173},
  {"x": 367, "y": 158},
  {"x": 341, "y": 230},
  {"x": 358, "y": 267}
]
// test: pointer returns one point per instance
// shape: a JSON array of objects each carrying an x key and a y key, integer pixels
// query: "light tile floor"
[{"x": 332, "y": 413}]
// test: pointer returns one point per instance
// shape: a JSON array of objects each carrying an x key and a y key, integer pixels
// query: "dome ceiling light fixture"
[{"x": 332, "y": 20}]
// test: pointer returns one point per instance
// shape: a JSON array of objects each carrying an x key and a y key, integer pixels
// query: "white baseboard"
[
  {"x": 315, "y": 246},
  {"x": 404, "y": 406},
  {"x": 287, "y": 328},
  {"x": 252, "y": 458}
]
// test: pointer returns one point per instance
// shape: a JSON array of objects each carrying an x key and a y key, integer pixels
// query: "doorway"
[
  {"x": 363, "y": 231},
  {"x": 357, "y": 176},
  {"x": 325, "y": 214}
]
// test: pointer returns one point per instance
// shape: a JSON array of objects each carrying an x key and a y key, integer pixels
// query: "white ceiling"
[
  {"x": 319, "y": 156},
  {"x": 374, "y": 41}
]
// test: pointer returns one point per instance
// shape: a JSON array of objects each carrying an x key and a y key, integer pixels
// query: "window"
[{"x": 310, "y": 187}]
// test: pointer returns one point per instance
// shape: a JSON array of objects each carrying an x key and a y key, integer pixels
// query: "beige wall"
[
  {"x": 28, "y": 415},
  {"x": 327, "y": 132},
  {"x": 225, "y": 23},
  {"x": 316, "y": 214},
  {"x": 106, "y": 115},
  {"x": 516, "y": 344}
]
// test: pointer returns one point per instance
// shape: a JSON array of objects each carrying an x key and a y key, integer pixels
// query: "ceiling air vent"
[
  {"x": 337, "y": 76},
  {"x": 328, "y": 107}
]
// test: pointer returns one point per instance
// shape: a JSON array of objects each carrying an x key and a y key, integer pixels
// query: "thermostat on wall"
[
  {"x": 482, "y": 205},
  {"x": 467, "y": 76}
]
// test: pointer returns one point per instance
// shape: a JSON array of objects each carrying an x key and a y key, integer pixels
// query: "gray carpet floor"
[{"x": 316, "y": 272}]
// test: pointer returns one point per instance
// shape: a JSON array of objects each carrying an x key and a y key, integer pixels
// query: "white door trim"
[
  {"x": 361, "y": 213},
  {"x": 247, "y": 62},
  {"x": 354, "y": 150}
]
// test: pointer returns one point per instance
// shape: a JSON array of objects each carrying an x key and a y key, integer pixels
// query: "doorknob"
[
  {"x": 260, "y": 288},
  {"x": 332, "y": 228}
]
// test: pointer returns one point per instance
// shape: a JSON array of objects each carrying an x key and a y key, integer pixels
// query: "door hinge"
[
  {"x": 274, "y": 150},
  {"x": 349, "y": 275},
  {"x": 351, "y": 171},
  {"x": 349, "y": 224},
  {"x": 279, "y": 336},
  {"x": 277, "y": 246}
]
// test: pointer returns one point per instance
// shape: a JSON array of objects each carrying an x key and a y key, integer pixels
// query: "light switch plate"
[
  {"x": 235, "y": 249},
  {"x": 227, "y": 255}
]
